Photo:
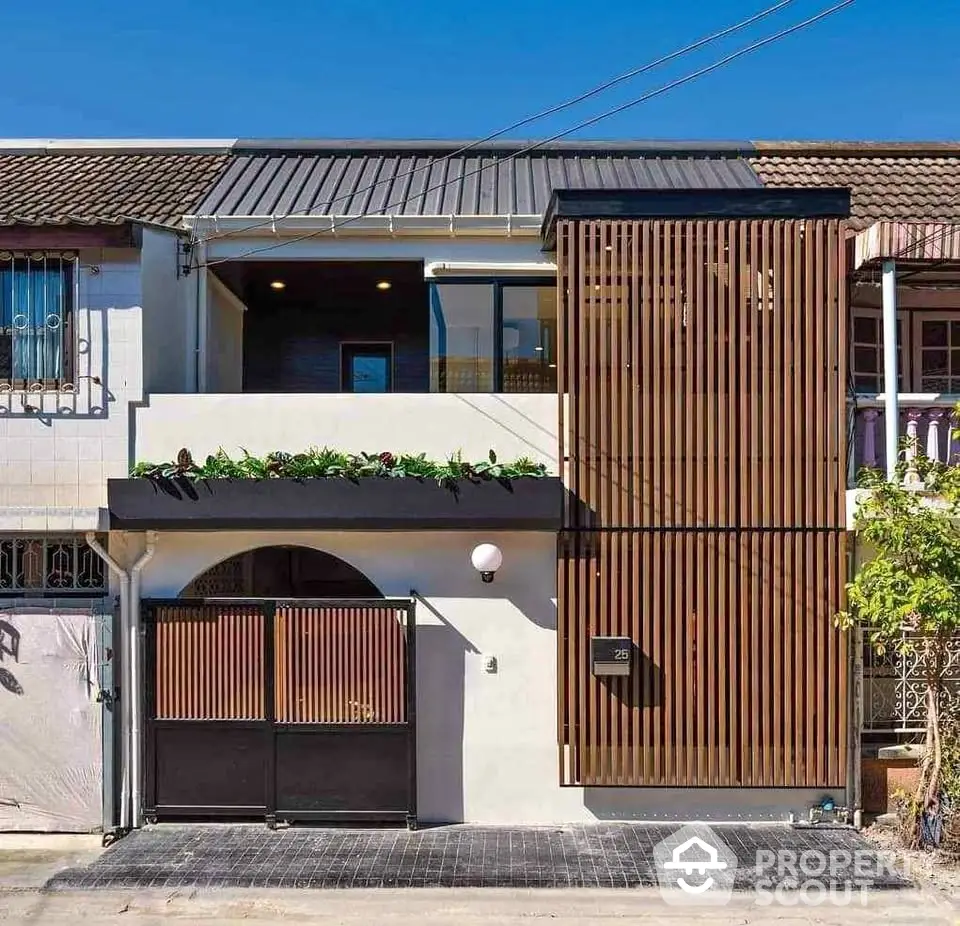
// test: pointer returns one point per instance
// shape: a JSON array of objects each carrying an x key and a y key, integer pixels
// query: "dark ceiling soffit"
[
  {"x": 505, "y": 145},
  {"x": 24, "y": 236},
  {"x": 758, "y": 203}
]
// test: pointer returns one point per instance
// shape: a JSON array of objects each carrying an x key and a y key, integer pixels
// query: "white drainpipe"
[
  {"x": 136, "y": 703},
  {"x": 126, "y": 690},
  {"x": 130, "y": 694},
  {"x": 891, "y": 410}
]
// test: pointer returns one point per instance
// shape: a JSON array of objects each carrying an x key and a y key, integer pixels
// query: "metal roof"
[{"x": 371, "y": 179}]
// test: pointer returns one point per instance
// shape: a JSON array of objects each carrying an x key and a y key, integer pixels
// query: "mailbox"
[{"x": 611, "y": 655}]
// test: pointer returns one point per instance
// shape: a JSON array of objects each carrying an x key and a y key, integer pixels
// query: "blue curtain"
[{"x": 33, "y": 310}]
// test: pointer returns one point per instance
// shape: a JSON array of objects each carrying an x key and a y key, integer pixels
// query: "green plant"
[
  {"x": 907, "y": 596},
  {"x": 326, "y": 463}
]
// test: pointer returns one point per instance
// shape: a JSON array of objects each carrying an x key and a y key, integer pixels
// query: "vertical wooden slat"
[{"x": 704, "y": 428}]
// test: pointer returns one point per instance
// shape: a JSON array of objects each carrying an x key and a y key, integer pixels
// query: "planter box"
[{"x": 334, "y": 504}]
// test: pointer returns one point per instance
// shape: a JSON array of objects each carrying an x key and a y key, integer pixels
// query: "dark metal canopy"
[{"x": 756, "y": 203}]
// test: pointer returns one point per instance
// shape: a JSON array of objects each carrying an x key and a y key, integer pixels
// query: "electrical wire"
[
  {"x": 553, "y": 110},
  {"x": 680, "y": 81}
]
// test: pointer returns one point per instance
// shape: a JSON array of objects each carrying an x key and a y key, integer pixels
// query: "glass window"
[
  {"x": 461, "y": 337},
  {"x": 939, "y": 366},
  {"x": 529, "y": 338},
  {"x": 35, "y": 307},
  {"x": 366, "y": 368},
  {"x": 866, "y": 355}
]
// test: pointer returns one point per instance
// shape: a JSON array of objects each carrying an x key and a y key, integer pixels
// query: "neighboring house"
[{"x": 659, "y": 325}]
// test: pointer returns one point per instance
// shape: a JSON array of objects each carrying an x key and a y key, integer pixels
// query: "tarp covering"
[{"x": 50, "y": 722}]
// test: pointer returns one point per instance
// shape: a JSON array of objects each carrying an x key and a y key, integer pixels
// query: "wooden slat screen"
[
  {"x": 340, "y": 664},
  {"x": 704, "y": 369},
  {"x": 209, "y": 662}
]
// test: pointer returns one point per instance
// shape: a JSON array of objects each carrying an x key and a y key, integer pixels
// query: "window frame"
[
  {"x": 373, "y": 347},
  {"x": 497, "y": 283},
  {"x": 70, "y": 268},
  {"x": 918, "y": 317},
  {"x": 905, "y": 326}
]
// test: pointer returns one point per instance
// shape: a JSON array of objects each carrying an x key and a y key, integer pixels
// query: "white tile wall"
[{"x": 54, "y": 465}]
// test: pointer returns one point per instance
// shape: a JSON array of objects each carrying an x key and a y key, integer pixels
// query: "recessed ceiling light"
[
  {"x": 384, "y": 284},
  {"x": 278, "y": 284}
]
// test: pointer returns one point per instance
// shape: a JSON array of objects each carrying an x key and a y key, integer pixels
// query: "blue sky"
[{"x": 424, "y": 68}]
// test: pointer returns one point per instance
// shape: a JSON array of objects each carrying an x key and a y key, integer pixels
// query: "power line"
[
  {"x": 560, "y": 107},
  {"x": 680, "y": 81}
]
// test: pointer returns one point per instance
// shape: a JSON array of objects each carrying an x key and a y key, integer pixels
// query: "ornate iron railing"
[
  {"x": 51, "y": 566},
  {"x": 894, "y": 688}
]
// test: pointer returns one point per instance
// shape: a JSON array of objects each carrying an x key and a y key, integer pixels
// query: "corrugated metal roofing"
[{"x": 373, "y": 181}]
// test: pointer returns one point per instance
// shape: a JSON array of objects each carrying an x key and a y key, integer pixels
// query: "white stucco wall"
[
  {"x": 169, "y": 297},
  {"x": 438, "y": 424},
  {"x": 54, "y": 462},
  {"x": 486, "y": 742},
  {"x": 224, "y": 341}
]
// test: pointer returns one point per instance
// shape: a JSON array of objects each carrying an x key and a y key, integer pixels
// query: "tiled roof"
[
  {"x": 43, "y": 189},
  {"x": 904, "y": 183}
]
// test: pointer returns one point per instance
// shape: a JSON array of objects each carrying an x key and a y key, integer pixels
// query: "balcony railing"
[{"x": 927, "y": 422}]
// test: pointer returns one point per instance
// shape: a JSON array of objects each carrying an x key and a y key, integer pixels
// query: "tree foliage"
[{"x": 906, "y": 595}]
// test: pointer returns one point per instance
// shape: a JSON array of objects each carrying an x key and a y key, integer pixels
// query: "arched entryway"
[
  {"x": 282, "y": 572},
  {"x": 281, "y": 684}
]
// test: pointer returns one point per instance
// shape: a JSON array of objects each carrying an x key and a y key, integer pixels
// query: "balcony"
[
  {"x": 927, "y": 422},
  {"x": 435, "y": 424}
]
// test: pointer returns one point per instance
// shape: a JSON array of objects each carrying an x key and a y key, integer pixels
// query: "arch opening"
[{"x": 281, "y": 572}]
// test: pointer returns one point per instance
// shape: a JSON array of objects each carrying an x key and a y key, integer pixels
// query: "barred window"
[
  {"x": 36, "y": 319},
  {"x": 50, "y": 566}
]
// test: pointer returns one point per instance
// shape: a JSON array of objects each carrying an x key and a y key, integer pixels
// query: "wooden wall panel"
[
  {"x": 209, "y": 662},
  {"x": 340, "y": 664},
  {"x": 703, "y": 366}
]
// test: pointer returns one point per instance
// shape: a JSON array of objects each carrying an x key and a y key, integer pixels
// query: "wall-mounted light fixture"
[{"x": 486, "y": 559}]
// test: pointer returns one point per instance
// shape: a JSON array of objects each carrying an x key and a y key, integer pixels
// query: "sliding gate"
[{"x": 293, "y": 710}]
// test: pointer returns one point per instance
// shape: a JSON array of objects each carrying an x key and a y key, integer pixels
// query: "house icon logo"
[{"x": 695, "y": 866}]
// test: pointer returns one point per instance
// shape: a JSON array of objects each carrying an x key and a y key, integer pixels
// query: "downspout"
[
  {"x": 136, "y": 701},
  {"x": 203, "y": 320},
  {"x": 126, "y": 690},
  {"x": 891, "y": 416}
]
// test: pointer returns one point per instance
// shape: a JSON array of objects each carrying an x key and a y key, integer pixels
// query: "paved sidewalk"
[
  {"x": 451, "y": 907},
  {"x": 617, "y": 855}
]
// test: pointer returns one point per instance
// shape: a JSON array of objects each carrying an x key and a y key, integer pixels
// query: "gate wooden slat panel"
[
  {"x": 338, "y": 664},
  {"x": 703, "y": 367},
  {"x": 209, "y": 663}
]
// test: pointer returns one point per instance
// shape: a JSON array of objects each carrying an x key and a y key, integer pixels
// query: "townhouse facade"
[{"x": 686, "y": 340}]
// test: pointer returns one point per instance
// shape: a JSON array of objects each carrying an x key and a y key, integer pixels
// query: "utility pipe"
[
  {"x": 136, "y": 703},
  {"x": 891, "y": 415},
  {"x": 126, "y": 689}
]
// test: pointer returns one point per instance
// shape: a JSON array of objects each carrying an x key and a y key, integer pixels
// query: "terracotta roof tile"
[
  {"x": 42, "y": 189},
  {"x": 914, "y": 188}
]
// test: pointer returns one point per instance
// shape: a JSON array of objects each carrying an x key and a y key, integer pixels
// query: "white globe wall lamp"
[{"x": 487, "y": 559}]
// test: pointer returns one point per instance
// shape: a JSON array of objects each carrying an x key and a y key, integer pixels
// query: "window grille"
[
  {"x": 50, "y": 566},
  {"x": 37, "y": 299}
]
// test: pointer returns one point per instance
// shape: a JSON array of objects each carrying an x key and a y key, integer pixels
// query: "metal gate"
[{"x": 291, "y": 709}]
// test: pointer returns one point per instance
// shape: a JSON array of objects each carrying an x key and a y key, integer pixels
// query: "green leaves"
[
  {"x": 325, "y": 463},
  {"x": 910, "y": 584}
]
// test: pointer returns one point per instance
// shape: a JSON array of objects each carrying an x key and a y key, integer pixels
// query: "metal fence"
[{"x": 894, "y": 687}]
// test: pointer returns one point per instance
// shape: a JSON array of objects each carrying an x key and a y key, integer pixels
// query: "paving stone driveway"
[{"x": 598, "y": 855}]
